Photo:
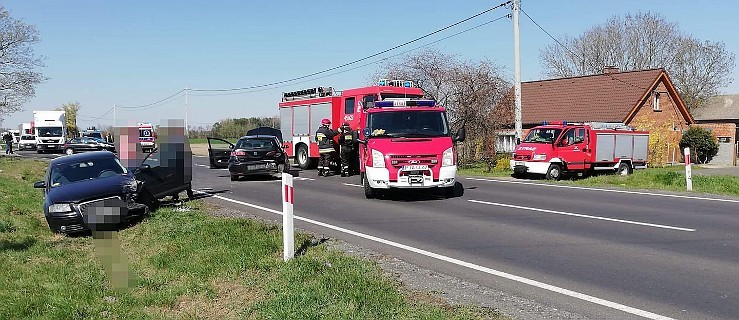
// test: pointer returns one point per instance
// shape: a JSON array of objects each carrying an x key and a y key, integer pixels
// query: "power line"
[
  {"x": 95, "y": 118},
  {"x": 577, "y": 56},
  {"x": 360, "y": 66},
  {"x": 153, "y": 104},
  {"x": 358, "y": 60}
]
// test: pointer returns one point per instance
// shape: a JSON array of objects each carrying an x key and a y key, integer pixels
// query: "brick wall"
[{"x": 665, "y": 127}]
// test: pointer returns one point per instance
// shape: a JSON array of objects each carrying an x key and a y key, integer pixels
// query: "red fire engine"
[
  {"x": 558, "y": 147},
  {"x": 405, "y": 142}
]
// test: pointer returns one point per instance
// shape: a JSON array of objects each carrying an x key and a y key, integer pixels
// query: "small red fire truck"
[
  {"x": 404, "y": 142},
  {"x": 560, "y": 147}
]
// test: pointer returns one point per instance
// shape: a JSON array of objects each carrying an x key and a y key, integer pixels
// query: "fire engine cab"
[
  {"x": 405, "y": 142},
  {"x": 146, "y": 136},
  {"x": 561, "y": 147}
]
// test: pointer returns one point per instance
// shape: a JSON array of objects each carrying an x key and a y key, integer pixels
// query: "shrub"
[{"x": 703, "y": 145}]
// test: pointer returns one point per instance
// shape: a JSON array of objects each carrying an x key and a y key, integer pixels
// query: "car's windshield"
[
  {"x": 542, "y": 135},
  {"x": 50, "y": 132},
  {"x": 28, "y": 137},
  {"x": 85, "y": 170},
  {"x": 408, "y": 124},
  {"x": 255, "y": 143},
  {"x": 99, "y": 140},
  {"x": 96, "y": 135}
]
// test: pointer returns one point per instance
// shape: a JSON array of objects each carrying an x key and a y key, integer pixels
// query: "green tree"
[
  {"x": 703, "y": 145},
  {"x": 71, "y": 109}
]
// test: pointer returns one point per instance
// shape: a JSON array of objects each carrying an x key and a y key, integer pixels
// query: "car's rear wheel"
[
  {"x": 234, "y": 177},
  {"x": 69, "y": 151}
]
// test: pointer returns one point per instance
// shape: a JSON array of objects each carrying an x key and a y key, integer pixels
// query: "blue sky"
[{"x": 132, "y": 53}]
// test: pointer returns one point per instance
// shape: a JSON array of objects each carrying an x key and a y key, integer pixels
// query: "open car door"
[{"x": 219, "y": 151}]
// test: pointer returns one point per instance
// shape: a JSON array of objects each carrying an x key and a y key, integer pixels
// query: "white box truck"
[{"x": 51, "y": 130}]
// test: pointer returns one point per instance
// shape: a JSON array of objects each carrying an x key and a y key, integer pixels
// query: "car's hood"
[{"x": 89, "y": 189}]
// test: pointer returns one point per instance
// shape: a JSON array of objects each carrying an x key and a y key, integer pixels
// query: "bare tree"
[
  {"x": 643, "y": 41},
  {"x": 475, "y": 95},
  {"x": 18, "y": 64}
]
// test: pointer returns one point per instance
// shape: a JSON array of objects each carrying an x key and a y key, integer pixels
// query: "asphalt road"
[{"x": 597, "y": 253}]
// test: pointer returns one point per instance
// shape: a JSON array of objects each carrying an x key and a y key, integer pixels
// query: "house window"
[{"x": 655, "y": 104}]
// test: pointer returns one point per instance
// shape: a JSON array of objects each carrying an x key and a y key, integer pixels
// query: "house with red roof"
[{"x": 645, "y": 99}]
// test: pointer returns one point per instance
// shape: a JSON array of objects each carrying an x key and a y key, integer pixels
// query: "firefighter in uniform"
[
  {"x": 325, "y": 138},
  {"x": 347, "y": 141}
]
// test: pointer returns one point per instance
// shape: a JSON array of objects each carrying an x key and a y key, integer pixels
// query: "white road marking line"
[
  {"x": 608, "y": 190},
  {"x": 534, "y": 283},
  {"x": 304, "y": 179},
  {"x": 353, "y": 185},
  {"x": 583, "y": 215},
  {"x": 201, "y": 165}
]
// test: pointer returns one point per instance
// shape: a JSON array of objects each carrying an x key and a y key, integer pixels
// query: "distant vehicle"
[
  {"x": 51, "y": 130},
  {"x": 75, "y": 183},
  {"x": 26, "y": 128},
  {"x": 146, "y": 136},
  {"x": 253, "y": 154},
  {"x": 78, "y": 145},
  {"x": 92, "y": 132},
  {"x": 27, "y": 142},
  {"x": 556, "y": 148}
]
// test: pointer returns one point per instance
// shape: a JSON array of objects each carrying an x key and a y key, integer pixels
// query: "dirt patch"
[{"x": 199, "y": 149}]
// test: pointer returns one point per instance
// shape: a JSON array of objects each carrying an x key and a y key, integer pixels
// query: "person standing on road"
[
  {"x": 347, "y": 141},
  {"x": 325, "y": 138},
  {"x": 8, "y": 138}
]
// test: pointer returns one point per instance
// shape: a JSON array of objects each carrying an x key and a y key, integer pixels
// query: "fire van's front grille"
[
  {"x": 414, "y": 156},
  {"x": 522, "y": 157}
]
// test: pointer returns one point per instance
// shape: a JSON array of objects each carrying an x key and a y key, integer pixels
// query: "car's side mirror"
[
  {"x": 518, "y": 141},
  {"x": 461, "y": 135},
  {"x": 39, "y": 184}
]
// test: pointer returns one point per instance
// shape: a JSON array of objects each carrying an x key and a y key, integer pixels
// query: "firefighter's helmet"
[{"x": 325, "y": 121}]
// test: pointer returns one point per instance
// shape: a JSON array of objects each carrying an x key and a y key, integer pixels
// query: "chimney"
[{"x": 610, "y": 69}]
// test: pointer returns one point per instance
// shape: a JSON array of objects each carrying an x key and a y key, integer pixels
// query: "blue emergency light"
[
  {"x": 382, "y": 82},
  {"x": 407, "y": 84},
  {"x": 404, "y": 103}
]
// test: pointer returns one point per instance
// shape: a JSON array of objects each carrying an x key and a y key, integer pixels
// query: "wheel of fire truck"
[
  {"x": 302, "y": 158},
  {"x": 554, "y": 172},
  {"x": 624, "y": 169},
  {"x": 369, "y": 192}
]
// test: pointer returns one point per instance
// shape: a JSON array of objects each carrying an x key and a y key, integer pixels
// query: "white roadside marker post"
[
  {"x": 288, "y": 234},
  {"x": 688, "y": 170}
]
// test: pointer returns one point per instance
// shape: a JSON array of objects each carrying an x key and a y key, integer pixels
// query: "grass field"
[{"x": 187, "y": 264}]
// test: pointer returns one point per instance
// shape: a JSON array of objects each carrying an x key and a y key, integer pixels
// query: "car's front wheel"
[{"x": 69, "y": 151}]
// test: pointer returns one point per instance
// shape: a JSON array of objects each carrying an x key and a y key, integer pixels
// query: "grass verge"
[{"x": 187, "y": 264}]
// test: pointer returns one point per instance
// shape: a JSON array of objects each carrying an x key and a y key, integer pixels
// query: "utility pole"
[
  {"x": 114, "y": 118},
  {"x": 187, "y": 111},
  {"x": 517, "y": 71}
]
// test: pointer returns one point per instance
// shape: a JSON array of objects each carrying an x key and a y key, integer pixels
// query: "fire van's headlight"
[
  {"x": 378, "y": 159},
  {"x": 60, "y": 207},
  {"x": 447, "y": 158},
  {"x": 539, "y": 157}
]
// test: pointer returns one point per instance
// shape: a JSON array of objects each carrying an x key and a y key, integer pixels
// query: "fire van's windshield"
[
  {"x": 542, "y": 135},
  {"x": 408, "y": 124}
]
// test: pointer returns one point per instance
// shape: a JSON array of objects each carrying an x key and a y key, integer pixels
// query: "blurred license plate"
[
  {"x": 256, "y": 167},
  {"x": 415, "y": 167}
]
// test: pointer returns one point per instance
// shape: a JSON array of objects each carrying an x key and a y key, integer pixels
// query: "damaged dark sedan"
[{"x": 76, "y": 185}]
